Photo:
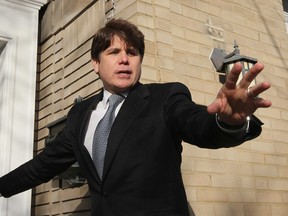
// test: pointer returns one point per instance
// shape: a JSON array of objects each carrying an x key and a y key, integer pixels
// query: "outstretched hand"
[{"x": 235, "y": 102}]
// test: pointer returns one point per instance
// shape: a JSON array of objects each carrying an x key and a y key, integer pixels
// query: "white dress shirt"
[{"x": 95, "y": 118}]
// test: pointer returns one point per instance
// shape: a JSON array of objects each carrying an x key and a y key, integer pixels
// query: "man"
[{"x": 140, "y": 173}]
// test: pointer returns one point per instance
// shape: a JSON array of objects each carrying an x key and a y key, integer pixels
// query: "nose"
[{"x": 123, "y": 57}]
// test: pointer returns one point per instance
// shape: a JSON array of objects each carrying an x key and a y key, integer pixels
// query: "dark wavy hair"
[{"x": 126, "y": 31}]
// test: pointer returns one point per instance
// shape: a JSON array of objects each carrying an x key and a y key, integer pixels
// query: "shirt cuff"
[{"x": 233, "y": 130}]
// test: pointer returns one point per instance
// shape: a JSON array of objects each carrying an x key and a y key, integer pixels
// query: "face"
[{"x": 119, "y": 67}]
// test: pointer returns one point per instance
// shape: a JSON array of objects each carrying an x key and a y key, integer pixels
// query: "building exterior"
[{"x": 251, "y": 179}]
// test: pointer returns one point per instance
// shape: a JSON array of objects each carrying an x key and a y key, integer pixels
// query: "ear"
[{"x": 95, "y": 65}]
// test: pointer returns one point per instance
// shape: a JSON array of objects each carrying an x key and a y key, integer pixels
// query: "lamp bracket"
[{"x": 217, "y": 57}]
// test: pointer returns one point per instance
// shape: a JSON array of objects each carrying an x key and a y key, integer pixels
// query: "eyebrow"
[
  {"x": 112, "y": 48},
  {"x": 109, "y": 49}
]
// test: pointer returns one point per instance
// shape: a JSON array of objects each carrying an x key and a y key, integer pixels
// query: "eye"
[
  {"x": 114, "y": 51},
  {"x": 132, "y": 52}
]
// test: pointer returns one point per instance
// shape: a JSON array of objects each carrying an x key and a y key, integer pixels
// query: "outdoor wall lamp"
[{"x": 224, "y": 62}]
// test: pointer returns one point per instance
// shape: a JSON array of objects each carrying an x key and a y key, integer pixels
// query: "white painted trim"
[
  {"x": 19, "y": 30},
  {"x": 7, "y": 87},
  {"x": 286, "y": 20},
  {"x": 30, "y": 4}
]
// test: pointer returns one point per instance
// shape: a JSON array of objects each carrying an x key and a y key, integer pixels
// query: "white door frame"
[{"x": 18, "y": 67}]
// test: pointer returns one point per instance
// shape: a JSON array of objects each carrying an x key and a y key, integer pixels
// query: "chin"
[{"x": 123, "y": 88}]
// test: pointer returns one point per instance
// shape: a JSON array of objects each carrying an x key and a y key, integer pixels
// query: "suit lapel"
[
  {"x": 86, "y": 156},
  {"x": 91, "y": 106},
  {"x": 135, "y": 102}
]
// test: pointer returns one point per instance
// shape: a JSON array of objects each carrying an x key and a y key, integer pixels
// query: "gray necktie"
[{"x": 102, "y": 132}]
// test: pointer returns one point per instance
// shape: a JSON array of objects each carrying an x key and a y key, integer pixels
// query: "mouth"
[{"x": 124, "y": 73}]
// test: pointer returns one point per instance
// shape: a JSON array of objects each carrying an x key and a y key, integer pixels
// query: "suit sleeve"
[
  {"x": 54, "y": 159},
  {"x": 192, "y": 123}
]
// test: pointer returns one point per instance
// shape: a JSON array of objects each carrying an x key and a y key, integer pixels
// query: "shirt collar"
[{"x": 107, "y": 94}]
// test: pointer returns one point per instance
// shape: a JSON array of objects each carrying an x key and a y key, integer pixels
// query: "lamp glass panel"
[
  {"x": 245, "y": 69},
  {"x": 245, "y": 66}
]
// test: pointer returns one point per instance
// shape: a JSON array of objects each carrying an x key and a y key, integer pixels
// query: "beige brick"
[
  {"x": 70, "y": 41},
  {"x": 127, "y": 11},
  {"x": 183, "y": 22},
  {"x": 262, "y": 146},
  {"x": 273, "y": 136},
  {"x": 145, "y": 8},
  {"x": 253, "y": 210},
  {"x": 285, "y": 197},
  {"x": 45, "y": 46},
  {"x": 276, "y": 159},
  {"x": 45, "y": 72},
  {"x": 224, "y": 154},
  {"x": 146, "y": 21},
  {"x": 149, "y": 73},
  {"x": 247, "y": 32},
  {"x": 197, "y": 37},
  {"x": 199, "y": 179},
  {"x": 80, "y": 68},
  {"x": 149, "y": 61},
  {"x": 42, "y": 210},
  {"x": 194, "y": 151},
  {"x": 165, "y": 51},
  {"x": 166, "y": 63},
  {"x": 177, "y": 31},
  {"x": 202, "y": 209},
  {"x": 164, "y": 37},
  {"x": 284, "y": 114},
  {"x": 176, "y": 7},
  {"x": 211, "y": 166},
  {"x": 45, "y": 102},
  {"x": 265, "y": 170},
  {"x": 283, "y": 171},
  {"x": 210, "y": 195},
  {"x": 279, "y": 210},
  {"x": 122, "y": 5},
  {"x": 205, "y": 6},
  {"x": 278, "y": 184},
  {"x": 163, "y": 3},
  {"x": 279, "y": 125},
  {"x": 45, "y": 92},
  {"x": 239, "y": 196},
  {"x": 191, "y": 194},
  {"x": 261, "y": 183},
  {"x": 229, "y": 209},
  {"x": 188, "y": 165},
  {"x": 269, "y": 197},
  {"x": 162, "y": 24},
  {"x": 239, "y": 169},
  {"x": 226, "y": 181}
]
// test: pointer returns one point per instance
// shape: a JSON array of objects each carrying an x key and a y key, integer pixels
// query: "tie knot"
[{"x": 115, "y": 99}]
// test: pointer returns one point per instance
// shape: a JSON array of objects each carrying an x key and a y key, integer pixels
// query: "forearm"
[
  {"x": 201, "y": 129},
  {"x": 52, "y": 161}
]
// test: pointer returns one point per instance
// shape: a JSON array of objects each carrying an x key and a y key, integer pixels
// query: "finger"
[
  {"x": 261, "y": 103},
  {"x": 251, "y": 75},
  {"x": 254, "y": 91},
  {"x": 233, "y": 75}
]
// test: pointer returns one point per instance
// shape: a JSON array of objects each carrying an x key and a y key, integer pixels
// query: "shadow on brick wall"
[{"x": 191, "y": 212}]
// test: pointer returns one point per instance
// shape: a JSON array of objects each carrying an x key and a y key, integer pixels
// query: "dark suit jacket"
[{"x": 142, "y": 174}]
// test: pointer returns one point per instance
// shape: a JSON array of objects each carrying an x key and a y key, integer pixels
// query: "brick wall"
[{"x": 251, "y": 179}]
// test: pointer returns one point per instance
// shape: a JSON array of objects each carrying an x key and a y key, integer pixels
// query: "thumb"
[{"x": 213, "y": 108}]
